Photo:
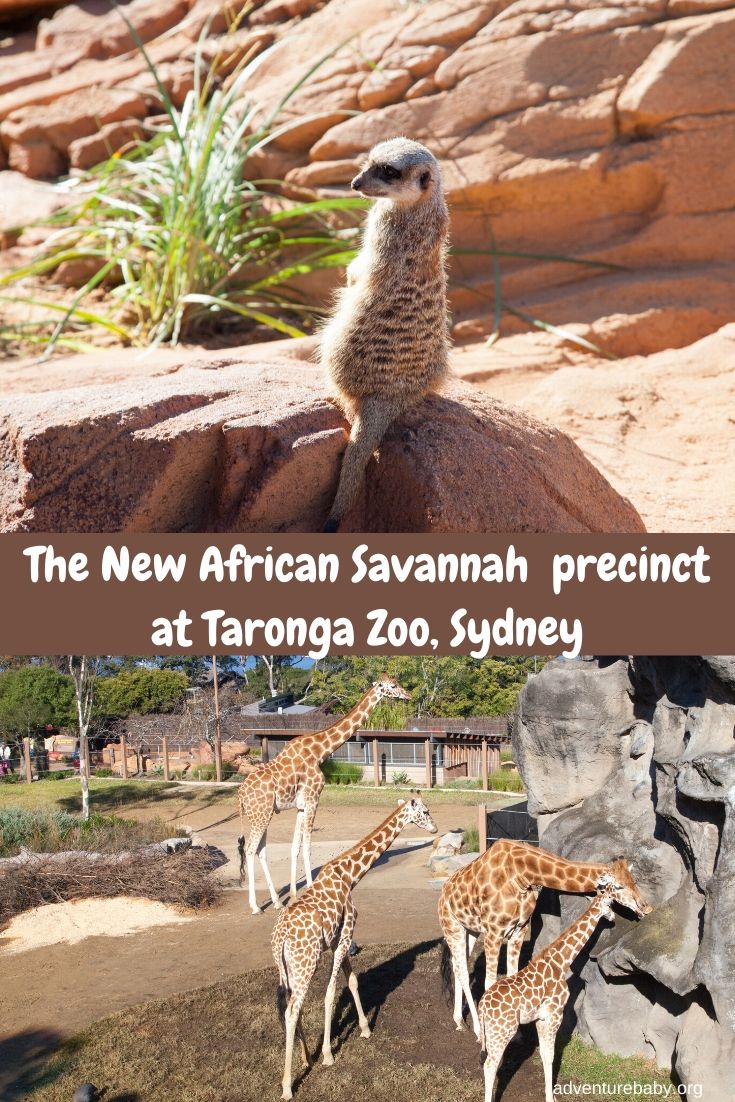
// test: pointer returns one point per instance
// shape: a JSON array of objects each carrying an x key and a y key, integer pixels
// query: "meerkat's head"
[{"x": 400, "y": 170}]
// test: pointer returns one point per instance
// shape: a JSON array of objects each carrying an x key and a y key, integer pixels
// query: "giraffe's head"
[
  {"x": 414, "y": 810},
  {"x": 618, "y": 879},
  {"x": 388, "y": 687}
]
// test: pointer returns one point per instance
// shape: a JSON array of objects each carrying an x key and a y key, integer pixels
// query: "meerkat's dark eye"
[
  {"x": 424, "y": 180},
  {"x": 388, "y": 172}
]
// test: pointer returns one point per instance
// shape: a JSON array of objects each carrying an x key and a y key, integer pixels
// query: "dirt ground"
[
  {"x": 164, "y": 1052},
  {"x": 55, "y": 991}
]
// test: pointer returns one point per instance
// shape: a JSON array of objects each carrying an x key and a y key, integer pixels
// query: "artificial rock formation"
[
  {"x": 221, "y": 444},
  {"x": 636, "y": 756},
  {"x": 593, "y": 129}
]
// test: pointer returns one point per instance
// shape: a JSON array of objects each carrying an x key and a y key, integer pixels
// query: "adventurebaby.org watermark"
[{"x": 628, "y": 1090}]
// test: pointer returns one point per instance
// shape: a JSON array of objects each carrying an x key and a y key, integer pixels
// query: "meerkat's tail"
[{"x": 374, "y": 418}]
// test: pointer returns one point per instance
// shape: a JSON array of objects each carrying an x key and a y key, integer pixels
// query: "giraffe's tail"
[{"x": 447, "y": 973}]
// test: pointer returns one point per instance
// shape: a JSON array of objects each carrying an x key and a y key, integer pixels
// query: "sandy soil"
[{"x": 72, "y": 922}]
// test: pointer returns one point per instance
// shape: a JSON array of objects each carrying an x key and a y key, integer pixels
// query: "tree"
[
  {"x": 84, "y": 671},
  {"x": 448, "y": 686},
  {"x": 140, "y": 690},
  {"x": 33, "y": 697}
]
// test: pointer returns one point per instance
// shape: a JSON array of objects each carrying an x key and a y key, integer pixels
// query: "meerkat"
[{"x": 387, "y": 342}]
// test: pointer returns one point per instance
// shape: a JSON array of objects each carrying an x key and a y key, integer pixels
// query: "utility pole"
[{"x": 217, "y": 726}]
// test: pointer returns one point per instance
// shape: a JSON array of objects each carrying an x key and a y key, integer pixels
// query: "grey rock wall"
[{"x": 636, "y": 756}]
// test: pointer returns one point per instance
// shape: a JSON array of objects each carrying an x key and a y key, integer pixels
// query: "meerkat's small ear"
[{"x": 425, "y": 180}]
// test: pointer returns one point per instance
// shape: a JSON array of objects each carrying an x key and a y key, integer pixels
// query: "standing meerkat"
[{"x": 387, "y": 343}]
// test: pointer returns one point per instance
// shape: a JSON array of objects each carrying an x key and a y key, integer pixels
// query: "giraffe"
[
  {"x": 494, "y": 896},
  {"x": 539, "y": 992},
  {"x": 324, "y": 917},
  {"x": 294, "y": 780}
]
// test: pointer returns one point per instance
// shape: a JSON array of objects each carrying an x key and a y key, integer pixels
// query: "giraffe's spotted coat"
[
  {"x": 294, "y": 780},
  {"x": 494, "y": 897},
  {"x": 323, "y": 917},
  {"x": 539, "y": 992}
]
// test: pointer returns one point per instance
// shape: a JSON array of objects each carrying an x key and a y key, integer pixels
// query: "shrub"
[
  {"x": 400, "y": 778},
  {"x": 10, "y": 778},
  {"x": 104, "y": 771},
  {"x": 60, "y": 774},
  {"x": 341, "y": 772},
  {"x": 471, "y": 843},
  {"x": 206, "y": 771},
  {"x": 52, "y": 831},
  {"x": 505, "y": 780}
]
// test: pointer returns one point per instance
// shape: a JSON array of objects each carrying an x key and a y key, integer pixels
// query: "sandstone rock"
[
  {"x": 665, "y": 985},
  {"x": 71, "y": 117},
  {"x": 37, "y": 159},
  {"x": 383, "y": 86},
  {"x": 449, "y": 844},
  {"x": 24, "y": 200},
  {"x": 201, "y": 449},
  {"x": 92, "y": 149}
]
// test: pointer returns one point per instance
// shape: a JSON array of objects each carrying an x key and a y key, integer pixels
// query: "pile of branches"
[{"x": 181, "y": 878}]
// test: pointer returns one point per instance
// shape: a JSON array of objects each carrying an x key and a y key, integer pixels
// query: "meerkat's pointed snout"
[{"x": 357, "y": 181}]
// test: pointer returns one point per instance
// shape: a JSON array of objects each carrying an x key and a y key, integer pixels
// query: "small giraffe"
[
  {"x": 324, "y": 917},
  {"x": 494, "y": 896},
  {"x": 294, "y": 780},
  {"x": 539, "y": 992}
]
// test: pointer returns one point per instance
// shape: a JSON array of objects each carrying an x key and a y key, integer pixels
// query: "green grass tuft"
[{"x": 177, "y": 234}]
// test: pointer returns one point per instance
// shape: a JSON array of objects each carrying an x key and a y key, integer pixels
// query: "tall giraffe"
[
  {"x": 294, "y": 780},
  {"x": 495, "y": 895},
  {"x": 324, "y": 917},
  {"x": 539, "y": 992}
]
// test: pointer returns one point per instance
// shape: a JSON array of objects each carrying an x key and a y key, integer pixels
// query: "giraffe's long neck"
[
  {"x": 355, "y": 862},
  {"x": 568, "y": 945},
  {"x": 331, "y": 739},
  {"x": 561, "y": 874}
]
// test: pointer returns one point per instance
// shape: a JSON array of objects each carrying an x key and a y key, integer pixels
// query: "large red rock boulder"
[{"x": 225, "y": 445}]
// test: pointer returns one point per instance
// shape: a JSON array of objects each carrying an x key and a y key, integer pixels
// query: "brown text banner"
[{"x": 382, "y": 594}]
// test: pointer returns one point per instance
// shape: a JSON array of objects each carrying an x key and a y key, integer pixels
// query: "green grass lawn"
[
  {"x": 585, "y": 1064},
  {"x": 113, "y": 796}
]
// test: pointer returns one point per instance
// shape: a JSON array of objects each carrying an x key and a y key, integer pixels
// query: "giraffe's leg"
[
  {"x": 515, "y": 941},
  {"x": 309, "y": 817},
  {"x": 495, "y": 1035},
  {"x": 341, "y": 951},
  {"x": 492, "y": 952},
  {"x": 547, "y": 1029},
  {"x": 352, "y": 984},
  {"x": 267, "y": 872},
  {"x": 458, "y": 949},
  {"x": 295, "y": 847},
  {"x": 489, "y": 1071},
  {"x": 299, "y": 982},
  {"x": 251, "y": 848}
]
